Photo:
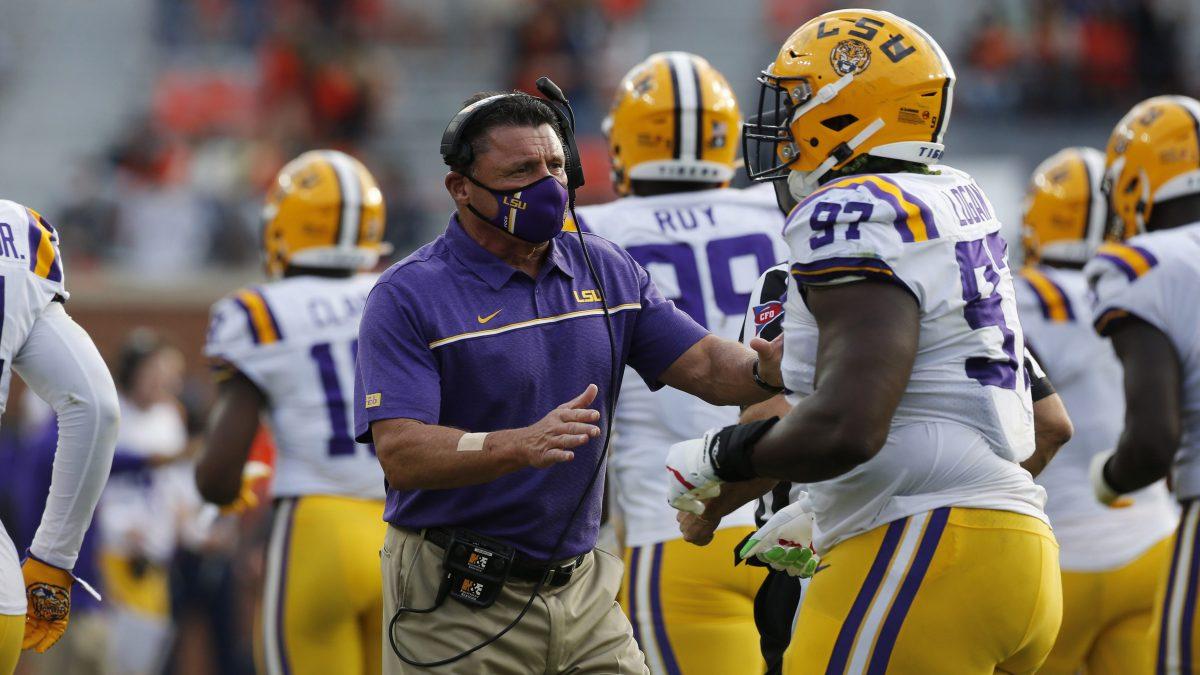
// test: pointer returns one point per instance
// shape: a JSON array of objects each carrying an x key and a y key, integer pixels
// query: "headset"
[{"x": 455, "y": 152}]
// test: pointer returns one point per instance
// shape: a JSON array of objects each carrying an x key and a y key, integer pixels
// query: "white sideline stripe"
[
  {"x": 646, "y": 628},
  {"x": 1174, "y": 625},
  {"x": 273, "y": 591},
  {"x": 897, "y": 570}
]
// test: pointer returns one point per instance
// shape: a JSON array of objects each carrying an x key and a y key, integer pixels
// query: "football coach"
[{"x": 486, "y": 370}]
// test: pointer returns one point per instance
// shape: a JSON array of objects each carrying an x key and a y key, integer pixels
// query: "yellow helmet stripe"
[
  {"x": 350, "y": 193},
  {"x": 263, "y": 327},
  {"x": 1052, "y": 299}
]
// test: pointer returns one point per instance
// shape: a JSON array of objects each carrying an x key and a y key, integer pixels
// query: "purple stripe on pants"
[
  {"x": 845, "y": 639},
  {"x": 660, "y": 627}
]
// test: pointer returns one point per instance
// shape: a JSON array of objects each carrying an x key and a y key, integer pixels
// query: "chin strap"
[{"x": 802, "y": 183}]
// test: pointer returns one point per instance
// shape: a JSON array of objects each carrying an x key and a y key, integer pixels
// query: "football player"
[
  {"x": 672, "y": 135},
  {"x": 287, "y": 349},
  {"x": 59, "y": 362},
  {"x": 1108, "y": 591},
  {"x": 1146, "y": 303},
  {"x": 919, "y": 412}
]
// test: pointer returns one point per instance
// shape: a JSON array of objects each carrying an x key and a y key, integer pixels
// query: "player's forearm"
[
  {"x": 430, "y": 457},
  {"x": 812, "y": 443},
  {"x": 1141, "y": 459},
  {"x": 718, "y": 371},
  {"x": 232, "y": 427},
  {"x": 1052, "y": 428}
]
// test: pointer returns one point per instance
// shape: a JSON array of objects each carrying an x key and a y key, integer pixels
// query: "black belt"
[{"x": 551, "y": 574}]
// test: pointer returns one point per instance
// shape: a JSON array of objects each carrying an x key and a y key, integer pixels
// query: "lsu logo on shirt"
[{"x": 588, "y": 295}]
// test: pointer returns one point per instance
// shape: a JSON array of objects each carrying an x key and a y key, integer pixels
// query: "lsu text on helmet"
[
  {"x": 1153, "y": 156},
  {"x": 1065, "y": 213},
  {"x": 324, "y": 210},
  {"x": 673, "y": 118},
  {"x": 848, "y": 83}
]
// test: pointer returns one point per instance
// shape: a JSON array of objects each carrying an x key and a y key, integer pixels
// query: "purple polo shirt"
[{"x": 454, "y": 336}]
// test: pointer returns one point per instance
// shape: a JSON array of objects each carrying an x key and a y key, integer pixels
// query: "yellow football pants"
[
  {"x": 12, "y": 633},
  {"x": 1175, "y": 632},
  {"x": 953, "y": 591},
  {"x": 692, "y": 610},
  {"x": 322, "y": 597},
  {"x": 1107, "y": 617}
]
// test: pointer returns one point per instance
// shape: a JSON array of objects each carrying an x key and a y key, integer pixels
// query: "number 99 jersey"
[
  {"x": 704, "y": 250},
  {"x": 966, "y": 418},
  {"x": 297, "y": 339}
]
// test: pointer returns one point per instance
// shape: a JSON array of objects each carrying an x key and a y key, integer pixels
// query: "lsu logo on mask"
[
  {"x": 589, "y": 295},
  {"x": 515, "y": 203}
]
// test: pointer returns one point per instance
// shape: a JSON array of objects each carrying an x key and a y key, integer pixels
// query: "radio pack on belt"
[{"x": 476, "y": 568}]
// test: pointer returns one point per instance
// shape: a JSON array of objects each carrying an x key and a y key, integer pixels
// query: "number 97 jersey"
[
  {"x": 936, "y": 237},
  {"x": 296, "y": 339}
]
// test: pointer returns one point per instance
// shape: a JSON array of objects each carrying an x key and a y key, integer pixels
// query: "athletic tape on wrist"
[{"x": 471, "y": 442}]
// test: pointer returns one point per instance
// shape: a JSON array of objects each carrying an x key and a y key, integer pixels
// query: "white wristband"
[{"x": 471, "y": 442}]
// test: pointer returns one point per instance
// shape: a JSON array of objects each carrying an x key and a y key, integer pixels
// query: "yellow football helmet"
[
  {"x": 848, "y": 83},
  {"x": 1064, "y": 215},
  {"x": 1153, "y": 156},
  {"x": 673, "y": 118},
  {"x": 324, "y": 210}
]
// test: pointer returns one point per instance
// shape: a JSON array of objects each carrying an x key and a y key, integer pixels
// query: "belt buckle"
[{"x": 560, "y": 575}]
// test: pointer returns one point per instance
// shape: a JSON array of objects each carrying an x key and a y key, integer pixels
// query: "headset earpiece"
[{"x": 457, "y": 153}]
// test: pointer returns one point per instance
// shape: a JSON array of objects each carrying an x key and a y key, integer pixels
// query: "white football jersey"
[
  {"x": 1154, "y": 277},
  {"x": 31, "y": 277},
  {"x": 966, "y": 419},
  {"x": 297, "y": 340},
  {"x": 1055, "y": 313},
  {"x": 704, "y": 250}
]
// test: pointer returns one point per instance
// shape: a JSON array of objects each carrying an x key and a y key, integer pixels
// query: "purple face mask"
[{"x": 534, "y": 213}]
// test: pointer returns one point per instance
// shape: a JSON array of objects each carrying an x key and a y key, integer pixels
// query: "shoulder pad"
[
  {"x": 1052, "y": 301},
  {"x": 867, "y": 198}
]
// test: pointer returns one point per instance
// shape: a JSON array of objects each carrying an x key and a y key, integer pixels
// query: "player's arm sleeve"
[
  {"x": 60, "y": 364},
  {"x": 1039, "y": 383},
  {"x": 661, "y": 331},
  {"x": 847, "y": 235},
  {"x": 764, "y": 313},
  {"x": 1128, "y": 282},
  {"x": 397, "y": 375}
]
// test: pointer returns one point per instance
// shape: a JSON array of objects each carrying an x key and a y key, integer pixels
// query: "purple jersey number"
[
  {"x": 720, "y": 253},
  {"x": 827, "y": 214},
  {"x": 980, "y": 283},
  {"x": 341, "y": 442}
]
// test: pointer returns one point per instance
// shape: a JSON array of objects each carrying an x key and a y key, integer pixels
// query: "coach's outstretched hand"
[{"x": 551, "y": 439}]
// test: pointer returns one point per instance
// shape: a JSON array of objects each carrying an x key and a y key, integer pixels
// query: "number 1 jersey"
[
  {"x": 965, "y": 420},
  {"x": 296, "y": 339},
  {"x": 704, "y": 250}
]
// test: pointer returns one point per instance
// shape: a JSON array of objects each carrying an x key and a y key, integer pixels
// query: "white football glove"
[
  {"x": 785, "y": 541},
  {"x": 691, "y": 476},
  {"x": 1100, "y": 487}
]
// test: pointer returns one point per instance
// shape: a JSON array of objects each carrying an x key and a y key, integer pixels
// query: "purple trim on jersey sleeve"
[
  {"x": 829, "y": 269},
  {"x": 922, "y": 207}
]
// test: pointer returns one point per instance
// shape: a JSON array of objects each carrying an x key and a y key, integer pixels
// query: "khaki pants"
[{"x": 573, "y": 629}]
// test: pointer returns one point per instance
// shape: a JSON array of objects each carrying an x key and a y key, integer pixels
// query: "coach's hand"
[{"x": 551, "y": 439}]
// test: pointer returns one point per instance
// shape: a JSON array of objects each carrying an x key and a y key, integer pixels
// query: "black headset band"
[{"x": 456, "y": 152}]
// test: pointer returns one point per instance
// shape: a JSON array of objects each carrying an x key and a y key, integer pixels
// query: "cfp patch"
[
  {"x": 49, "y": 602},
  {"x": 850, "y": 56},
  {"x": 373, "y": 400},
  {"x": 765, "y": 314}
]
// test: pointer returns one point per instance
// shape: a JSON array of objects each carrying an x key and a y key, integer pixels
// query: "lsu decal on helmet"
[
  {"x": 1064, "y": 215},
  {"x": 324, "y": 210},
  {"x": 1153, "y": 156},
  {"x": 848, "y": 83},
  {"x": 673, "y": 118}
]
